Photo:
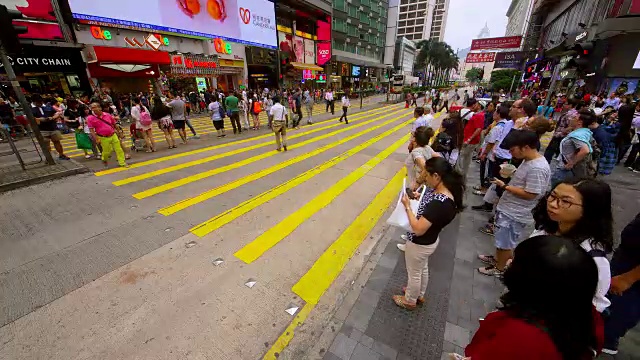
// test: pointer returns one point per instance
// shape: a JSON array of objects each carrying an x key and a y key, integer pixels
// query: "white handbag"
[
  {"x": 399, "y": 216},
  {"x": 635, "y": 139}
]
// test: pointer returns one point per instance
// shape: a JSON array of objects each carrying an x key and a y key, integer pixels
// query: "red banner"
[
  {"x": 480, "y": 57},
  {"x": 496, "y": 43},
  {"x": 323, "y": 50}
]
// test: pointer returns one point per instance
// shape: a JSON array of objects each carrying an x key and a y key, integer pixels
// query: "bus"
[{"x": 398, "y": 83}]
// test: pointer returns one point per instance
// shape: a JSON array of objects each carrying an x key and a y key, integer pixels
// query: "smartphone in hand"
[{"x": 410, "y": 193}]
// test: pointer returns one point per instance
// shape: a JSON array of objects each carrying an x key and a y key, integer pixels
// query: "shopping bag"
[
  {"x": 83, "y": 141},
  {"x": 399, "y": 216}
]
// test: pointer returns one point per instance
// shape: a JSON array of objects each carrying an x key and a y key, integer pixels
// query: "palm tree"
[{"x": 437, "y": 58}]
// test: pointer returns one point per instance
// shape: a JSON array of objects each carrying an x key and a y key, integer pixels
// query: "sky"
[{"x": 467, "y": 17}]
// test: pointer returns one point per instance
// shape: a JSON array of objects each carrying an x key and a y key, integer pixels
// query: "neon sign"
[{"x": 222, "y": 47}]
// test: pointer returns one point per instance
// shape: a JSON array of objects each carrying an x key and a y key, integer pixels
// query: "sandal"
[
  {"x": 479, "y": 192},
  {"x": 477, "y": 187},
  {"x": 400, "y": 301},
  {"x": 490, "y": 271},
  {"x": 488, "y": 259},
  {"x": 420, "y": 298}
]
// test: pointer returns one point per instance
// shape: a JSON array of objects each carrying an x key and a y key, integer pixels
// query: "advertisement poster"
[
  {"x": 323, "y": 50},
  {"x": 251, "y": 22},
  {"x": 480, "y": 57},
  {"x": 309, "y": 51},
  {"x": 509, "y": 60},
  {"x": 508, "y": 42},
  {"x": 298, "y": 48},
  {"x": 624, "y": 86},
  {"x": 40, "y": 10},
  {"x": 284, "y": 43}
]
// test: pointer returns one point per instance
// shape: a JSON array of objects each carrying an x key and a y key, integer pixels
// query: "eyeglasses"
[{"x": 561, "y": 203}]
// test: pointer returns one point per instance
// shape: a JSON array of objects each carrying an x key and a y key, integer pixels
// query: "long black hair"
[
  {"x": 550, "y": 284},
  {"x": 159, "y": 109},
  {"x": 452, "y": 180},
  {"x": 596, "y": 223}
]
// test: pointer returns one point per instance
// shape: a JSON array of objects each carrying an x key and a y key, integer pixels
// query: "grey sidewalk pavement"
[
  {"x": 13, "y": 177},
  {"x": 457, "y": 295}
]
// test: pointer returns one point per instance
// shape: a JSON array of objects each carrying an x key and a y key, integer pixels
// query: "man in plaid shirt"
[{"x": 569, "y": 111}]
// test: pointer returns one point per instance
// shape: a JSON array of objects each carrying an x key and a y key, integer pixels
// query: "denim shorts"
[{"x": 507, "y": 232}]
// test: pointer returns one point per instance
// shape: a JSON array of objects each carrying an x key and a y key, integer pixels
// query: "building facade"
[
  {"x": 358, "y": 41},
  {"x": 439, "y": 22},
  {"x": 518, "y": 16},
  {"x": 405, "y": 57},
  {"x": 422, "y": 19}
]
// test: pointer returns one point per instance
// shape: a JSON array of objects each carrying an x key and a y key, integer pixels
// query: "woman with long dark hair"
[
  {"x": 580, "y": 210},
  {"x": 547, "y": 311},
  {"x": 436, "y": 210},
  {"x": 162, "y": 114}
]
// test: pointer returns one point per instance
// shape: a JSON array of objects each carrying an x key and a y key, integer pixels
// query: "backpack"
[
  {"x": 257, "y": 107},
  {"x": 593, "y": 159},
  {"x": 443, "y": 143},
  {"x": 145, "y": 117},
  {"x": 221, "y": 111}
]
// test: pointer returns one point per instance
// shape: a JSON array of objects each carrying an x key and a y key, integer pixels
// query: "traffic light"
[
  {"x": 10, "y": 32},
  {"x": 583, "y": 51}
]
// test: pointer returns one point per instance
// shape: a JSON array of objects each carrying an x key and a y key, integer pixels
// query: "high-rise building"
[
  {"x": 518, "y": 14},
  {"x": 359, "y": 30},
  {"x": 422, "y": 19}
]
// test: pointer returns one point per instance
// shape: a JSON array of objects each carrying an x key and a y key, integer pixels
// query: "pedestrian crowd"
[{"x": 569, "y": 292}]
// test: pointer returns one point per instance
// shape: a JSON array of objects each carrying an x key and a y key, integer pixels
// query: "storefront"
[
  {"x": 232, "y": 68},
  {"x": 262, "y": 67},
  {"x": 48, "y": 70},
  {"x": 133, "y": 61},
  {"x": 191, "y": 72}
]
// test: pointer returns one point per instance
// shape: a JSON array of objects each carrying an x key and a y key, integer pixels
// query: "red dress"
[{"x": 502, "y": 337}]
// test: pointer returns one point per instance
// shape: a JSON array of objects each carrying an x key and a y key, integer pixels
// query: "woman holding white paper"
[{"x": 437, "y": 209}]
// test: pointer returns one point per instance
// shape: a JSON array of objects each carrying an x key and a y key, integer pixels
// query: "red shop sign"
[
  {"x": 480, "y": 57},
  {"x": 507, "y": 42},
  {"x": 182, "y": 61}
]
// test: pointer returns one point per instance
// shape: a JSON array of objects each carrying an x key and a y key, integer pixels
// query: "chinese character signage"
[
  {"x": 508, "y": 60},
  {"x": 251, "y": 22},
  {"x": 480, "y": 57},
  {"x": 508, "y": 42}
]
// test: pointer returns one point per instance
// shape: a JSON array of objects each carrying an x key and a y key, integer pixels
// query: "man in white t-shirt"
[
  {"x": 280, "y": 118},
  {"x": 328, "y": 98}
]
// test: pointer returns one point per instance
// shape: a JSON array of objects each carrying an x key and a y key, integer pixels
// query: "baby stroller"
[{"x": 137, "y": 140}]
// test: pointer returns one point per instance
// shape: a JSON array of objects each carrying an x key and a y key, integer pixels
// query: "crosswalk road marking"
[
  {"x": 322, "y": 274},
  {"x": 185, "y": 165},
  {"x": 181, "y": 205},
  {"x": 215, "y": 147}
]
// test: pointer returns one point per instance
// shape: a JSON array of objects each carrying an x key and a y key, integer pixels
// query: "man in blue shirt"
[{"x": 46, "y": 118}]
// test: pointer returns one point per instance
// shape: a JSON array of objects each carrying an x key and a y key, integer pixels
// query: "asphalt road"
[{"x": 122, "y": 263}]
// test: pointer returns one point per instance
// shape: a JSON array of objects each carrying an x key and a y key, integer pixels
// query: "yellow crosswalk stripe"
[
  {"x": 329, "y": 265},
  {"x": 215, "y": 147},
  {"x": 226, "y": 217},
  {"x": 177, "y": 167},
  {"x": 181, "y": 205},
  {"x": 268, "y": 239},
  {"x": 322, "y": 274}
]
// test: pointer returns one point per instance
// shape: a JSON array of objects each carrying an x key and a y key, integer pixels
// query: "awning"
[
  {"x": 232, "y": 63},
  {"x": 123, "y": 70},
  {"x": 115, "y": 55},
  {"x": 303, "y": 66}
]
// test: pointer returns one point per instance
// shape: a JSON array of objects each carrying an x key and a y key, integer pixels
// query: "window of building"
[
  {"x": 365, "y": 2},
  {"x": 402, "y": 23},
  {"x": 364, "y": 18},
  {"x": 400, "y": 31},
  {"x": 413, "y": 7},
  {"x": 352, "y": 10},
  {"x": 352, "y": 30},
  {"x": 403, "y": 16},
  {"x": 403, "y": 9},
  {"x": 339, "y": 25},
  {"x": 338, "y": 45},
  {"x": 418, "y": 29},
  {"x": 340, "y": 5},
  {"x": 417, "y": 37},
  {"x": 411, "y": 22},
  {"x": 409, "y": 37},
  {"x": 419, "y": 21},
  {"x": 404, "y": 2},
  {"x": 422, "y": 6}
]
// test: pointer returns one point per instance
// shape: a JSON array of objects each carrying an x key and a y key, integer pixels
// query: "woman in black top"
[{"x": 436, "y": 210}]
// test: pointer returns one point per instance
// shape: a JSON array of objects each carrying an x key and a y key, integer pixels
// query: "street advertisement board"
[
  {"x": 309, "y": 51},
  {"x": 507, "y": 42},
  {"x": 624, "y": 86},
  {"x": 251, "y": 22},
  {"x": 41, "y": 10},
  {"x": 480, "y": 57},
  {"x": 323, "y": 50},
  {"x": 509, "y": 60}
]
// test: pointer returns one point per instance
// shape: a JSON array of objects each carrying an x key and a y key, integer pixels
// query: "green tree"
[
  {"x": 437, "y": 59},
  {"x": 503, "y": 78},
  {"x": 473, "y": 75}
]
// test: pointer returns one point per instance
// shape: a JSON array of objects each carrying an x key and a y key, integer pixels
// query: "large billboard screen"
[{"x": 251, "y": 22}]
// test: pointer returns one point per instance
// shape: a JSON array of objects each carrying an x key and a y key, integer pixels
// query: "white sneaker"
[
  {"x": 609, "y": 351},
  {"x": 404, "y": 237},
  {"x": 401, "y": 247}
]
